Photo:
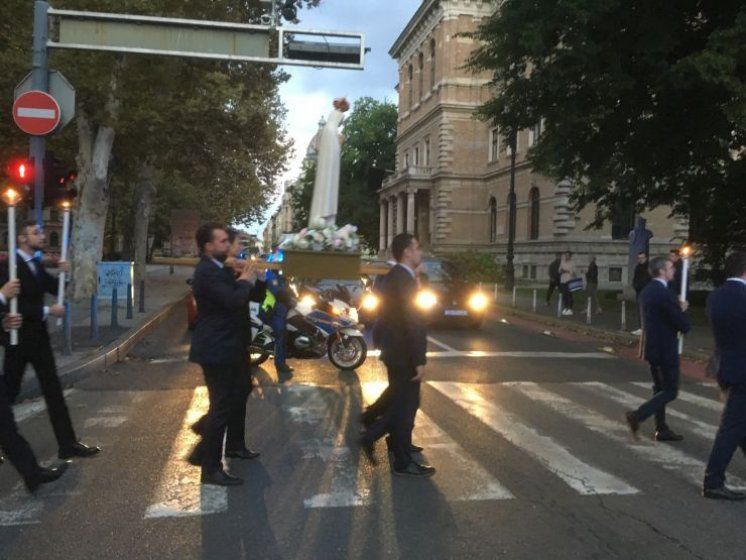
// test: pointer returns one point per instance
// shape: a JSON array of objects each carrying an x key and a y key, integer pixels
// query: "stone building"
[{"x": 452, "y": 176}]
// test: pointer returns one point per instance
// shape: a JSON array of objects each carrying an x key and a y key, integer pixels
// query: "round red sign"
[{"x": 36, "y": 112}]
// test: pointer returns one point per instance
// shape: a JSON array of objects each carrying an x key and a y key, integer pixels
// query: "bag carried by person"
[{"x": 575, "y": 284}]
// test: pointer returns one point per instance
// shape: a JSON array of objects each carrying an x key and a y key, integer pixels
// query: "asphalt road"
[{"x": 525, "y": 430}]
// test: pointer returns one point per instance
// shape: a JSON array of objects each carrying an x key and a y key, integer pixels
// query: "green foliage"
[
  {"x": 643, "y": 102},
  {"x": 471, "y": 267}
]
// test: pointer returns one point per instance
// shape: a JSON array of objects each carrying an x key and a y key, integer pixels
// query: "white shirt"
[
  {"x": 29, "y": 260},
  {"x": 736, "y": 279},
  {"x": 411, "y": 272},
  {"x": 662, "y": 281},
  {"x": 217, "y": 262}
]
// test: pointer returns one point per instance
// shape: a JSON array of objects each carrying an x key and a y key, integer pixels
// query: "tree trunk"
[
  {"x": 94, "y": 152},
  {"x": 144, "y": 191}
]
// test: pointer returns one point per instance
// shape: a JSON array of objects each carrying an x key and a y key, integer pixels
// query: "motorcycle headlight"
[
  {"x": 478, "y": 302},
  {"x": 370, "y": 302},
  {"x": 426, "y": 300},
  {"x": 307, "y": 301}
]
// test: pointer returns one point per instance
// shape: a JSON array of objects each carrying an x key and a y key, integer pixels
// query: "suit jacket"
[
  {"x": 400, "y": 329},
  {"x": 31, "y": 298},
  {"x": 219, "y": 336},
  {"x": 726, "y": 308},
  {"x": 641, "y": 278},
  {"x": 663, "y": 320}
]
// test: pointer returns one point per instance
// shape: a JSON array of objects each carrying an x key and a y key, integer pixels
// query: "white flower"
[
  {"x": 302, "y": 244},
  {"x": 318, "y": 237}
]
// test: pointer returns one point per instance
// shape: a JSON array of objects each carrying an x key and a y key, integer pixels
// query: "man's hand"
[
  {"x": 420, "y": 375},
  {"x": 64, "y": 266},
  {"x": 684, "y": 304},
  {"x": 249, "y": 272},
  {"x": 11, "y": 289},
  {"x": 57, "y": 310},
  {"x": 12, "y": 321}
]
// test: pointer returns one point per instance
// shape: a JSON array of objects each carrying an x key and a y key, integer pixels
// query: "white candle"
[
  {"x": 63, "y": 257},
  {"x": 12, "y": 267},
  {"x": 684, "y": 287}
]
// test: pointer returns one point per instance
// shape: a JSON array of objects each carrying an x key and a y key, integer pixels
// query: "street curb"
[
  {"x": 109, "y": 355},
  {"x": 596, "y": 332}
]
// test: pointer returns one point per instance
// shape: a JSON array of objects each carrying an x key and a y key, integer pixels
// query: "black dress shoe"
[
  {"x": 244, "y": 453},
  {"x": 284, "y": 369},
  {"x": 667, "y": 435},
  {"x": 45, "y": 475},
  {"x": 366, "y": 419},
  {"x": 220, "y": 478},
  {"x": 723, "y": 493},
  {"x": 412, "y": 448},
  {"x": 199, "y": 426},
  {"x": 415, "y": 470},
  {"x": 195, "y": 457},
  {"x": 78, "y": 449},
  {"x": 369, "y": 450},
  {"x": 632, "y": 422}
]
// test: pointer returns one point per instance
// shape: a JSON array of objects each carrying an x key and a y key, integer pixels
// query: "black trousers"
[
  {"x": 553, "y": 285},
  {"x": 397, "y": 419},
  {"x": 665, "y": 389},
  {"x": 12, "y": 443},
  {"x": 224, "y": 387},
  {"x": 730, "y": 436},
  {"x": 35, "y": 349}
]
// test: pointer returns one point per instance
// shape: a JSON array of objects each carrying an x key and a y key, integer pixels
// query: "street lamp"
[
  {"x": 11, "y": 198},
  {"x": 509, "y": 267}
]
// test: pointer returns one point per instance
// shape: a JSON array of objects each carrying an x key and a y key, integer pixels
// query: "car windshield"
[{"x": 434, "y": 271}]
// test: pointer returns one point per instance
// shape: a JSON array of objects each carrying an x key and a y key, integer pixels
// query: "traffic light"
[
  {"x": 58, "y": 181},
  {"x": 20, "y": 171}
]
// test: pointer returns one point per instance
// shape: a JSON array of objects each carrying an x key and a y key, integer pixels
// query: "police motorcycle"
[{"x": 313, "y": 332}]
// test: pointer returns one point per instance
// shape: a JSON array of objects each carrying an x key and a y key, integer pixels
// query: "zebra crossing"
[{"x": 322, "y": 421}]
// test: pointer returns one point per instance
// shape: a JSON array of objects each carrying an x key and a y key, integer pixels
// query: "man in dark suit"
[
  {"x": 727, "y": 312},
  {"x": 34, "y": 346},
  {"x": 402, "y": 338},
  {"x": 664, "y": 319},
  {"x": 639, "y": 281},
  {"x": 11, "y": 442},
  {"x": 219, "y": 346}
]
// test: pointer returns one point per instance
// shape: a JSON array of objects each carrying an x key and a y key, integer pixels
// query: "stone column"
[
  {"x": 410, "y": 212},
  {"x": 390, "y": 217},
  {"x": 382, "y": 221},
  {"x": 399, "y": 213}
]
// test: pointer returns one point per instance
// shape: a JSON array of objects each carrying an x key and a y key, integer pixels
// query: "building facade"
[{"x": 452, "y": 177}]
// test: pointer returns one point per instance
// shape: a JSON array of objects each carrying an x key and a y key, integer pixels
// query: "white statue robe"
[{"x": 326, "y": 186}]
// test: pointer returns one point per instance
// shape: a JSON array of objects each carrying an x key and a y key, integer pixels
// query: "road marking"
[
  {"x": 105, "y": 421},
  {"x": 26, "y": 410},
  {"x": 442, "y": 345},
  {"x": 632, "y": 401},
  {"x": 581, "y": 477},
  {"x": 179, "y": 492},
  {"x": 665, "y": 456},
  {"x": 460, "y": 477},
  {"x": 168, "y": 360},
  {"x": 512, "y": 354},
  {"x": 689, "y": 397},
  {"x": 21, "y": 508}
]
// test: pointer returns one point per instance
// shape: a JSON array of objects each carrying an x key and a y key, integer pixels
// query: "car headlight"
[
  {"x": 370, "y": 302},
  {"x": 307, "y": 301},
  {"x": 426, "y": 300},
  {"x": 478, "y": 302}
]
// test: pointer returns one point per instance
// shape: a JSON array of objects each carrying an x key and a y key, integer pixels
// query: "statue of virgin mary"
[{"x": 326, "y": 185}]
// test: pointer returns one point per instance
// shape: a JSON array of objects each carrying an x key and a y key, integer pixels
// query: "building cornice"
[{"x": 419, "y": 16}]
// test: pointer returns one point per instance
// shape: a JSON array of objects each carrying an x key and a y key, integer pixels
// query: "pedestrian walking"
[
  {"x": 554, "y": 277},
  {"x": 219, "y": 346},
  {"x": 664, "y": 319},
  {"x": 402, "y": 338},
  {"x": 591, "y": 285},
  {"x": 640, "y": 279},
  {"x": 34, "y": 346},
  {"x": 567, "y": 275},
  {"x": 727, "y": 313}
]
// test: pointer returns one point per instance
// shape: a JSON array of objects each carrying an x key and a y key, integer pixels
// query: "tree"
[
  {"x": 367, "y": 153},
  {"x": 642, "y": 100}
]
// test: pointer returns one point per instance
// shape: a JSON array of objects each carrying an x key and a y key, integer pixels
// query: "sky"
[{"x": 309, "y": 93}]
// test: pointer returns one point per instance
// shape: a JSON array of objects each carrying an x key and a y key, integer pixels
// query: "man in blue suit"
[
  {"x": 664, "y": 319},
  {"x": 727, "y": 312}
]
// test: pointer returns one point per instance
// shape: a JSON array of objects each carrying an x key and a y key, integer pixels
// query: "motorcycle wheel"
[
  {"x": 258, "y": 358},
  {"x": 347, "y": 354}
]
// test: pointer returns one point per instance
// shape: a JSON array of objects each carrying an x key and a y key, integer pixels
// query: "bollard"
[
  {"x": 142, "y": 296},
  {"x": 515, "y": 290},
  {"x": 533, "y": 302},
  {"x": 624, "y": 315},
  {"x": 495, "y": 289},
  {"x": 559, "y": 305},
  {"x": 67, "y": 348},
  {"x": 114, "y": 309},
  {"x": 94, "y": 318},
  {"x": 129, "y": 301},
  {"x": 588, "y": 312}
]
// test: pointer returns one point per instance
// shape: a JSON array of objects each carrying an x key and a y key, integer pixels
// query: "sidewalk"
[
  {"x": 162, "y": 292},
  {"x": 698, "y": 343}
]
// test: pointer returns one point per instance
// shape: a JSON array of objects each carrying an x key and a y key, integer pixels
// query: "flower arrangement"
[{"x": 322, "y": 237}]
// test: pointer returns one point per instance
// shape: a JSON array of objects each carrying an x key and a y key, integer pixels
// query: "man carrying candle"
[
  {"x": 34, "y": 345},
  {"x": 664, "y": 318}
]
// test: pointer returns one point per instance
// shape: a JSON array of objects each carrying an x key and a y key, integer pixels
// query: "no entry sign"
[{"x": 36, "y": 112}]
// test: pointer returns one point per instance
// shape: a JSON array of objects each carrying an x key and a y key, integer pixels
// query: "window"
[
  {"x": 525, "y": 271},
  {"x": 533, "y": 272},
  {"x": 493, "y": 219},
  {"x": 432, "y": 63},
  {"x": 411, "y": 88},
  {"x": 421, "y": 70},
  {"x": 494, "y": 144},
  {"x": 406, "y": 159},
  {"x": 54, "y": 239},
  {"x": 615, "y": 274},
  {"x": 623, "y": 220},
  {"x": 508, "y": 148},
  {"x": 533, "y": 209},
  {"x": 427, "y": 151},
  {"x": 416, "y": 155},
  {"x": 534, "y": 133}
]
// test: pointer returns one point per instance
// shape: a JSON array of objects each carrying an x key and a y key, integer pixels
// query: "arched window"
[
  {"x": 54, "y": 239},
  {"x": 421, "y": 70},
  {"x": 432, "y": 63},
  {"x": 533, "y": 213},
  {"x": 493, "y": 219},
  {"x": 410, "y": 74}
]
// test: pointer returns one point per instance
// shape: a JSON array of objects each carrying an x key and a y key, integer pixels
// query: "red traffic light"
[{"x": 20, "y": 171}]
